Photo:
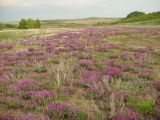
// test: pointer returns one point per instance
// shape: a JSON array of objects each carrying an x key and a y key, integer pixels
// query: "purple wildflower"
[
  {"x": 113, "y": 71},
  {"x": 59, "y": 106},
  {"x": 157, "y": 86},
  {"x": 94, "y": 92},
  {"x": 69, "y": 90},
  {"x": 88, "y": 73},
  {"x": 127, "y": 115},
  {"x": 6, "y": 46},
  {"x": 107, "y": 47},
  {"x": 128, "y": 56},
  {"x": 86, "y": 63},
  {"x": 146, "y": 74},
  {"x": 42, "y": 93},
  {"x": 3, "y": 79},
  {"x": 24, "y": 83}
]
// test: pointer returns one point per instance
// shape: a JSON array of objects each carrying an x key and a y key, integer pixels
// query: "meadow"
[{"x": 86, "y": 72}]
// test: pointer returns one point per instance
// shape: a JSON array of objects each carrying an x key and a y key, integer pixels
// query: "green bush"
[
  {"x": 47, "y": 86},
  {"x": 81, "y": 116},
  {"x": 7, "y": 26},
  {"x": 37, "y": 23},
  {"x": 28, "y": 88},
  {"x": 26, "y": 96},
  {"x": 22, "y": 24},
  {"x": 40, "y": 69},
  {"x": 38, "y": 78},
  {"x": 1, "y": 26},
  {"x": 145, "y": 106},
  {"x": 21, "y": 73},
  {"x": 135, "y": 14},
  {"x": 59, "y": 111},
  {"x": 29, "y": 23},
  {"x": 14, "y": 104}
]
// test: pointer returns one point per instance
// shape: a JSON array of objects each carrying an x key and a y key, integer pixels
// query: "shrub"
[
  {"x": 26, "y": 96},
  {"x": 60, "y": 111},
  {"x": 27, "y": 85},
  {"x": 82, "y": 116},
  {"x": 14, "y": 104},
  {"x": 157, "y": 86},
  {"x": 29, "y": 23},
  {"x": 38, "y": 78},
  {"x": 113, "y": 71},
  {"x": 40, "y": 69},
  {"x": 37, "y": 24},
  {"x": 91, "y": 93},
  {"x": 86, "y": 64},
  {"x": 145, "y": 106},
  {"x": 47, "y": 86},
  {"x": 127, "y": 115},
  {"x": 135, "y": 14},
  {"x": 146, "y": 74},
  {"x": 42, "y": 94},
  {"x": 22, "y": 24},
  {"x": 21, "y": 73}
]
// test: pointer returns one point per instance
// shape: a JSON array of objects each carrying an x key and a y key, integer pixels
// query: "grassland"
[
  {"x": 66, "y": 23},
  {"x": 146, "y": 19},
  {"x": 80, "y": 70},
  {"x": 77, "y": 23},
  {"x": 14, "y": 35}
]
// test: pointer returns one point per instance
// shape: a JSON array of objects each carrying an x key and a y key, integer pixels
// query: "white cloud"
[
  {"x": 73, "y": 2},
  {"x": 13, "y": 3},
  {"x": 49, "y": 9},
  {"x": 68, "y": 3}
]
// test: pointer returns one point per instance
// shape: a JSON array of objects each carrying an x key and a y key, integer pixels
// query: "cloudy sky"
[{"x": 11, "y": 10}]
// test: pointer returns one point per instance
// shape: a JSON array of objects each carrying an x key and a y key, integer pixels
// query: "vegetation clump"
[
  {"x": 135, "y": 14},
  {"x": 60, "y": 111},
  {"x": 29, "y": 23},
  {"x": 146, "y": 106}
]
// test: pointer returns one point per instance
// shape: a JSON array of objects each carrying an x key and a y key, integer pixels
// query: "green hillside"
[{"x": 150, "y": 18}]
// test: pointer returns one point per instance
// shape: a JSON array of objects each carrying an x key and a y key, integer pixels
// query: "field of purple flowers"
[{"x": 89, "y": 74}]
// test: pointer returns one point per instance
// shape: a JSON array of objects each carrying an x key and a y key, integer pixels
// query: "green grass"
[
  {"x": 66, "y": 23},
  {"x": 145, "y": 106},
  {"x": 40, "y": 69},
  {"x": 14, "y": 35},
  {"x": 77, "y": 23},
  {"x": 8, "y": 26},
  {"x": 14, "y": 104}
]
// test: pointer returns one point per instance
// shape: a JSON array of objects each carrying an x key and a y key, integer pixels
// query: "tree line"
[
  {"x": 7, "y": 26},
  {"x": 138, "y": 13},
  {"x": 29, "y": 23}
]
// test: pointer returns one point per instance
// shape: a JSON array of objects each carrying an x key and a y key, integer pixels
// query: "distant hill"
[
  {"x": 140, "y": 18},
  {"x": 69, "y": 23},
  {"x": 8, "y": 25},
  {"x": 85, "y": 22},
  {"x": 134, "y": 18}
]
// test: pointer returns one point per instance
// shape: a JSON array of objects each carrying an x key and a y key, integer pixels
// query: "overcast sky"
[{"x": 11, "y": 10}]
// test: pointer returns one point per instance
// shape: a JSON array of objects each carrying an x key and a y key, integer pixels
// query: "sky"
[{"x": 13, "y": 10}]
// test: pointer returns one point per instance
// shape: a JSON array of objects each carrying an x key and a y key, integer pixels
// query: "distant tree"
[
  {"x": 155, "y": 13},
  {"x": 135, "y": 14},
  {"x": 31, "y": 23},
  {"x": 22, "y": 24},
  {"x": 1, "y": 26},
  {"x": 9, "y": 25},
  {"x": 38, "y": 23}
]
